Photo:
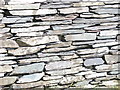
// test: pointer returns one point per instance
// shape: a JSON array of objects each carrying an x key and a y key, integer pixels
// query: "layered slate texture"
[{"x": 59, "y": 44}]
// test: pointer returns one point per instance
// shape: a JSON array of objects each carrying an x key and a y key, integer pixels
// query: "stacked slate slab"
[{"x": 59, "y": 44}]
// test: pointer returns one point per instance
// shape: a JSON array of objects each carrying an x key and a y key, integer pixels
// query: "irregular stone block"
[
  {"x": 8, "y": 43},
  {"x": 21, "y": 6},
  {"x": 8, "y": 80},
  {"x": 5, "y": 35},
  {"x": 93, "y": 61},
  {"x": 16, "y": 19},
  {"x": 95, "y": 75},
  {"x": 110, "y": 59},
  {"x": 73, "y": 10},
  {"x": 34, "y": 12},
  {"x": 3, "y": 50},
  {"x": 116, "y": 47},
  {"x": 87, "y": 4},
  {"x": 63, "y": 64},
  {"x": 66, "y": 71},
  {"x": 32, "y": 68},
  {"x": 108, "y": 33},
  {"x": 30, "y": 78},
  {"x": 81, "y": 37},
  {"x": 73, "y": 26},
  {"x": 25, "y": 50},
  {"x": 105, "y": 44},
  {"x": 57, "y": 17},
  {"x": 92, "y": 51},
  {"x": 7, "y": 62},
  {"x": 29, "y": 29},
  {"x": 71, "y": 79},
  {"x": 4, "y": 30},
  {"x": 6, "y": 68},
  {"x": 45, "y": 59}
]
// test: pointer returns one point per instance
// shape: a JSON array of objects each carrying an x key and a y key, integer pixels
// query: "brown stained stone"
[{"x": 7, "y": 80}]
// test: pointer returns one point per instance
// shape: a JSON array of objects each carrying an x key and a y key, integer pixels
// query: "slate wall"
[{"x": 59, "y": 44}]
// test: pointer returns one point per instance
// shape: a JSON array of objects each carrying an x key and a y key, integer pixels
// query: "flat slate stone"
[
  {"x": 4, "y": 30},
  {"x": 71, "y": 79},
  {"x": 30, "y": 78},
  {"x": 3, "y": 50},
  {"x": 25, "y": 50},
  {"x": 108, "y": 33},
  {"x": 52, "y": 77},
  {"x": 57, "y": 17},
  {"x": 32, "y": 68},
  {"x": 45, "y": 59},
  {"x": 93, "y": 61},
  {"x": 6, "y": 68},
  {"x": 81, "y": 37},
  {"x": 24, "y": 1},
  {"x": 29, "y": 29},
  {"x": 40, "y": 40},
  {"x": 33, "y": 12},
  {"x": 16, "y": 19},
  {"x": 63, "y": 64},
  {"x": 110, "y": 59},
  {"x": 22, "y": 6},
  {"x": 110, "y": 83},
  {"x": 8, "y": 43},
  {"x": 73, "y": 10},
  {"x": 5, "y": 35},
  {"x": 66, "y": 71},
  {"x": 7, "y": 62},
  {"x": 79, "y": 4},
  {"x": 7, "y": 80},
  {"x": 73, "y": 26}
]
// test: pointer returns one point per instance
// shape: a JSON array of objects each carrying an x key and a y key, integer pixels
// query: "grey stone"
[
  {"x": 30, "y": 78},
  {"x": 4, "y": 30},
  {"x": 115, "y": 52},
  {"x": 116, "y": 47},
  {"x": 8, "y": 80},
  {"x": 59, "y": 32},
  {"x": 29, "y": 24},
  {"x": 73, "y": 10},
  {"x": 16, "y": 19},
  {"x": 24, "y": 2},
  {"x": 7, "y": 62},
  {"x": 40, "y": 40},
  {"x": 118, "y": 76},
  {"x": 32, "y": 68},
  {"x": 71, "y": 79},
  {"x": 2, "y": 75},
  {"x": 33, "y": 12},
  {"x": 92, "y": 42},
  {"x": 52, "y": 77},
  {"x": 63, "y": 64},
  {"x": 59, "y": 44},
  {"x": 45, "y": 59},
  {"x": 83, "y": 83},
  {"x": 92, "y": 51},
  {"x": 102, "y": 27},
  {"x": 110, "y": 83},
  {"x": 84, "y": 36},
  {"x": 95, "y": 75},
  {"x": 29, "y": 29},
  {"x": 88, "y": 15},
  {"x": 3, "y": 50},
  {"x": 110, "y": 59},
  {"x": 57, "y": 17},
  {"x": 87, "y": 72},
  {"x": 6, "y": 68},
  {"x": 22, "y": 6},
  {"x": 5, "y": 35},
  {"x": 70, "y": 57},
  {"x": 87, "y": 4},
  {"x": 8, "y": 57},
  {"x": 106, "y": 11},
  {"x": 114, "y": 72},
  {"x": 95, "y": 21},
  {"x": 108, "y": 33},
  {"x": 93, "y": 61},
  {"x": 106, "y": 37},
  {"x": 73, "y": 26},
  {"x": 66, "y": 71},
  {"x": 24, "y": 34},
  {"x": 108, "y": 77},
  {"x": 25, "y": 50},
  {"x": 105, "y": 44},
  {"x": 2, "y": 25}
]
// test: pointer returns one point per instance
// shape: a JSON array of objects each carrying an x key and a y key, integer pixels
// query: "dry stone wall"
[{"x": 59, "y": 44}]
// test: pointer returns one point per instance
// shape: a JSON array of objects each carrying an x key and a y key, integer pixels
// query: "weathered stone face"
[{"x": 59, "y": 44}]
